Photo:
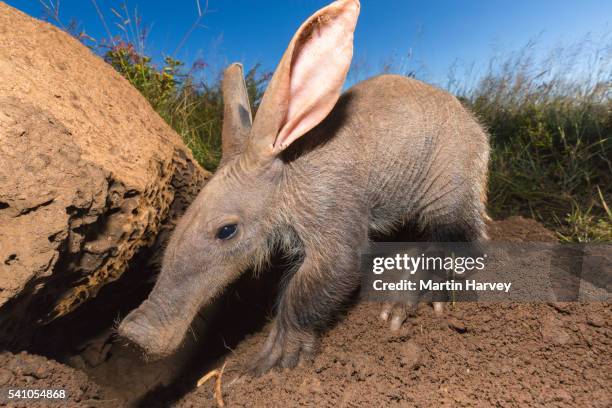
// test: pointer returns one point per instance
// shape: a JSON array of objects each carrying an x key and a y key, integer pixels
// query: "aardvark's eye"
[{"x": 227, "y": 231}]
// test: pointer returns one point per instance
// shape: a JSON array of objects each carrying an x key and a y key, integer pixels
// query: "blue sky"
[{"x": 430, "y": 35}]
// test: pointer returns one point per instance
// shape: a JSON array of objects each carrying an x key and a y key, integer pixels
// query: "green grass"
[{"x": 551, "y": 139}]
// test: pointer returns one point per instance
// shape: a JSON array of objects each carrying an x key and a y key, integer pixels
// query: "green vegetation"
[
  {"x": 551, "y": 139},
  {"x": 195, "y": 111}
]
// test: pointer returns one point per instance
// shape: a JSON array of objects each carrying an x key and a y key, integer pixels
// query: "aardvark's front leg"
[{"x": 314, "y": 294}]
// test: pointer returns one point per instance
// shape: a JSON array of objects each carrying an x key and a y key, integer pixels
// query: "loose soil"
[
  {"x": 476, "y": 355},
  {"x": 25, "y": 371}
]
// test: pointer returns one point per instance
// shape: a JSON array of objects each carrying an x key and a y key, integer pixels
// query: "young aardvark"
[{"x": 316, "y": 172}]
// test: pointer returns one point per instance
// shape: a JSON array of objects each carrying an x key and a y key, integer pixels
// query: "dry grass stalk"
[{"x": 218, "y": 374}]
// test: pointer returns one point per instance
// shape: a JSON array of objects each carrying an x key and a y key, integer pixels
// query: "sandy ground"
[
  {"x": 479, "y": 355},
  {"x": 476, "y": 355}
]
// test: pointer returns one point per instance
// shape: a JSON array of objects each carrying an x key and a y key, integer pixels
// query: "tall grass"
[{"x": 550, "y": 122}]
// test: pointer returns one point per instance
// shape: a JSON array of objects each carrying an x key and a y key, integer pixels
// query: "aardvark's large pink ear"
[{"x": 308, "y": 80}]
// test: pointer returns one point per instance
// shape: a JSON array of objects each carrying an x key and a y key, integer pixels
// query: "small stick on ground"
[{"x": 218, "y": 373}]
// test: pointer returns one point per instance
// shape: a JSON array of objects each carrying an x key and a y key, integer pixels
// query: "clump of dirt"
[
  {"x": 91, "y": 176},
  {"x": 519, "y": 229},
  {"x": 25, "y": 371}
]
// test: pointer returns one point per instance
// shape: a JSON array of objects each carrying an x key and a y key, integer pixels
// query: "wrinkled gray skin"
[{"x": 392, "y": 150}]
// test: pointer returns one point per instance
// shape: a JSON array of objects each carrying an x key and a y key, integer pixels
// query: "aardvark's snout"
[{"x": 146, "y": 328}]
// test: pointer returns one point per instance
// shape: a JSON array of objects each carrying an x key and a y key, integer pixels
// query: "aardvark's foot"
[
  {"x": 284, "y": 348},
  {"x": 396, "y": 313}
]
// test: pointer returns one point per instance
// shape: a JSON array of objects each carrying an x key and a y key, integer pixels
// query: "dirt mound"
[
  {"x": 24, "y": 371},
  {"x": 90, "y": 174},
  {"x": 519, "y": 229}
]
